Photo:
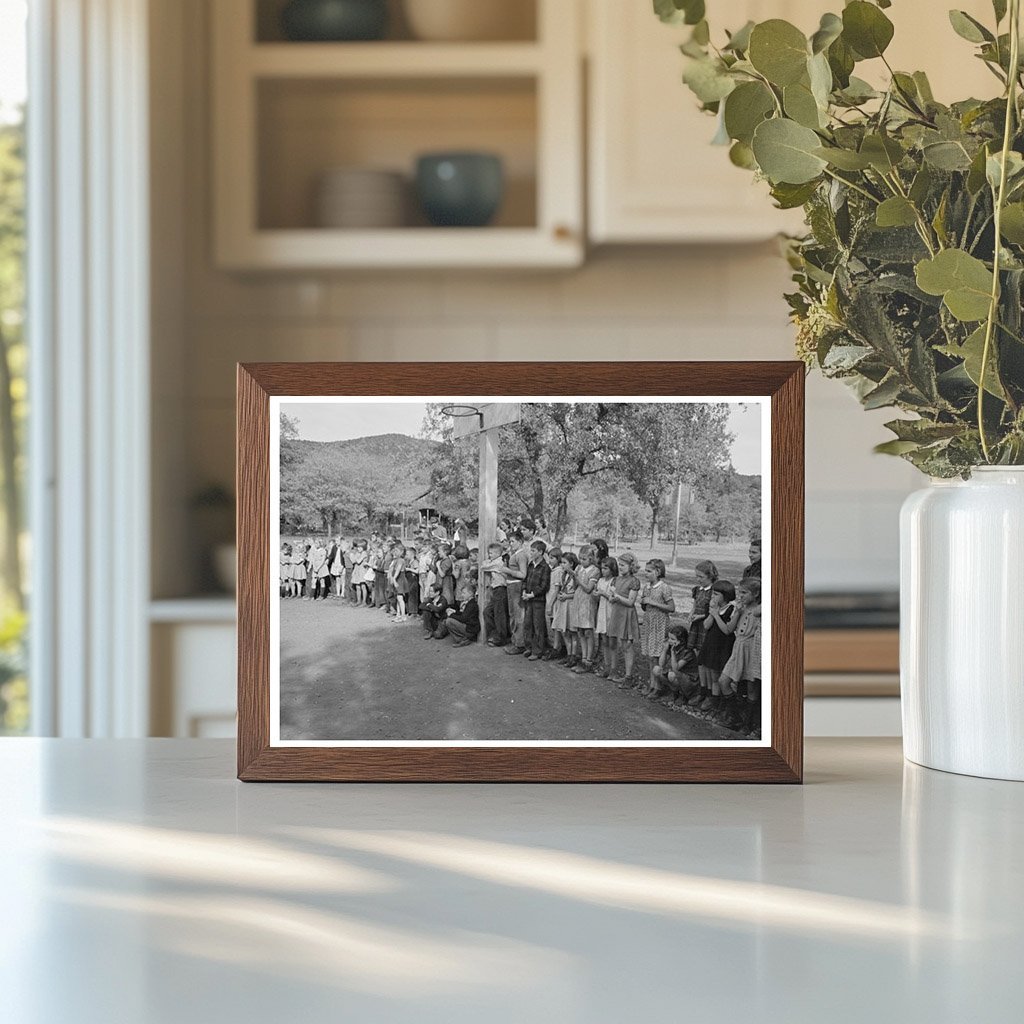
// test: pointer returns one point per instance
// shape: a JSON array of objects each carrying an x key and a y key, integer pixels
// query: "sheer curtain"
[{"x": 88, "y": 301}]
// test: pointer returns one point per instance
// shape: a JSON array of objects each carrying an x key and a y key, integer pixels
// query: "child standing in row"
[
  {"x": 560, "y": 629},
  {"x": 583, "y": 610},
  {"x": 398, "y": 581},
  {"x": 717, "y": 647},
  {"x": 605, "y": 588},
  {"x": 553, "y": 556},
  {"x": 657, "y": 604},
  {"x": 744, "y": 664},
  {"x": 623, "y": 621}
]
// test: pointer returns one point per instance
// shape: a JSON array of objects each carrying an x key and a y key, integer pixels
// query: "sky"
[
  {"x": 340, "y": 421},
  {"x": 12, "y": 55}
]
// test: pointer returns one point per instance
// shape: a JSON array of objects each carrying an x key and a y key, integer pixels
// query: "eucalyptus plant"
[{"x": 909, "y": 280}]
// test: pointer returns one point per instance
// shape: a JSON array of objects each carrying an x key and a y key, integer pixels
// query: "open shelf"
[
  {"x": 287, "y": 113},
  {"x": 308, "y": 127}
]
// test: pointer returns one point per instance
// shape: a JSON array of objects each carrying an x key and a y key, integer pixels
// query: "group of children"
[{"x": 585, "y": 610}]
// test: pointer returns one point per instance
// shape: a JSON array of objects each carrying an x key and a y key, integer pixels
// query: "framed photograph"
[{"x": 520, "y": 572}]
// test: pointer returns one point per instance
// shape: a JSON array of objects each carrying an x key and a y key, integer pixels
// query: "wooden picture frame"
[{"x": 780, "y": 386}]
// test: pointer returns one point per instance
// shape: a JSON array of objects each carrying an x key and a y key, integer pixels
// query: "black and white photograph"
[{"x": 519, "y": 571}]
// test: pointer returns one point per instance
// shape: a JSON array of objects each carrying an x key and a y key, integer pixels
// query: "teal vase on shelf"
[{"x": 331, "y": 21}]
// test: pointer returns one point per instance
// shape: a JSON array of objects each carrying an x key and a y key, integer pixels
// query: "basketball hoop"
[{"x": 459, "y": 412}]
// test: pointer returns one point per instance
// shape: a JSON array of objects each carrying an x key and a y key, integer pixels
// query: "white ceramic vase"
[{"x": 962, "y": 624}]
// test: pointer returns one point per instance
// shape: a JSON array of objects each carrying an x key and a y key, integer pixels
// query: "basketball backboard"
[{"x": 490, "y": 414}]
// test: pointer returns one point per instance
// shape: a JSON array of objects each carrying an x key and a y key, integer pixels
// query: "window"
[{"x": 14, "y": 696}]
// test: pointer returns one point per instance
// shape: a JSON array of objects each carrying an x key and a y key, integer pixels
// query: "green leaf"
[
  {"x": 800, "y": 105},
  {"x": 885, "y": 394},
  {"x": 971, "y": 352},
  {"x": 829, "y": 30},
  {"x": 923, "y": 431},
  {"x": 745, "y": 108},
  {"x": 939, "y": 220},
  {"x": 841, "y": 60},
  {"x": 947, "y": 156},
  {"x": 921, "y": 185},
  {"x": 999, "y": 7},
  {"x": 820, "y": 76},
  {"x": 924, "y": 88},
  {"x": 739, "y": 41},
  {"x": 969, "y": 28},
  {"x": 789, "y": 197},
  {"x": 963, "y": 281},
  {"x": 866, "y": 29},
  {"x": 976, "y": 173},
  {"x": 785, "y": 152},
  {"x": 708, "y": 80},
  {"x": 701, "y": 33},
  {"x": 778, "y": 50},
  {"x": 1012, "y": 224},
  {"x": 844, "y": 159},
  {"x": 896, "y": 212},
  {"x": 676, "y": 12},
  {"x": 1014, "y": 169},
  {"x": 742, "y": 155},
  {"x": 896, "y": 447},
  {"x": 883, "y": 153}
]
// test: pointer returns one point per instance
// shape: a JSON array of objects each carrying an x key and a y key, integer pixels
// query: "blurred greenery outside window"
[{"x": 14, "y": 691}]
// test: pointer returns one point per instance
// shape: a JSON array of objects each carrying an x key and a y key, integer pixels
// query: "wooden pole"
[
  {"x": 675, "y": 533},
  {"x": 488, "y": 510}
]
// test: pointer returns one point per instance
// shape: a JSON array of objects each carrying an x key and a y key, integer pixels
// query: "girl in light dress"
[
  {"x": 605, "y": 589},
  {"x": 428, "y": 556},
  {"x": 583, "y": 610},
  {"x": 624, "y": 620},
  {"x": 560, "y": 625},
  {"x": 398, "y": 581},
  {"x": 361, "y": 572},
  {"x": 339, "y": 568},
  {"x": 319, "y": 570},
  {"x": 657, "y": 604},
  {"x": 744, "y": 664}
]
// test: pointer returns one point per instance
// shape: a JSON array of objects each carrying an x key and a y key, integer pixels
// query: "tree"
[
  {"x": 658, "y": 444},
  {"x": 12, "y": 349},
  {"x": 289, "y": 432},
  {"x": 313, "y": 497}
]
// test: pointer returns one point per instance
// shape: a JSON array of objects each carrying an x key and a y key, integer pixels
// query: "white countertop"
[{"x": 143, "y": 885}]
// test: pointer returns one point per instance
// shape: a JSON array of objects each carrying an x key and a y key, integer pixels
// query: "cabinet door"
[{"x": 653, "y": 174}]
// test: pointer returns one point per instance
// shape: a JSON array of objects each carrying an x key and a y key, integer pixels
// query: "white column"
[{"x": 88, "y": 319}]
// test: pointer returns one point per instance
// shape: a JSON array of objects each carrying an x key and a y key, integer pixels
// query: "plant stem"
[{"x": 993, "y": 309}]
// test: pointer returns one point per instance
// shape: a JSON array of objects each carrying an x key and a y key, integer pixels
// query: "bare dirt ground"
[{"x": 352, "y": 673}]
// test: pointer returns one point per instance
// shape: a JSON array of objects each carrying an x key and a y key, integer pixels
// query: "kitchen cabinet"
[
  {"x": 653, "y": 175},
  {"x": 287, "y": 113}
]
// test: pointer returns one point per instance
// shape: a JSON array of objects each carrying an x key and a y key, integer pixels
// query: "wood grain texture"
[{"x": 783, "y": 382}]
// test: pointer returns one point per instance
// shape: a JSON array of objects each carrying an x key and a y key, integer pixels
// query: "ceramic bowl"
[
  {"x": 334, "y": 20},
  {"x": 460, "y": 189}
]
